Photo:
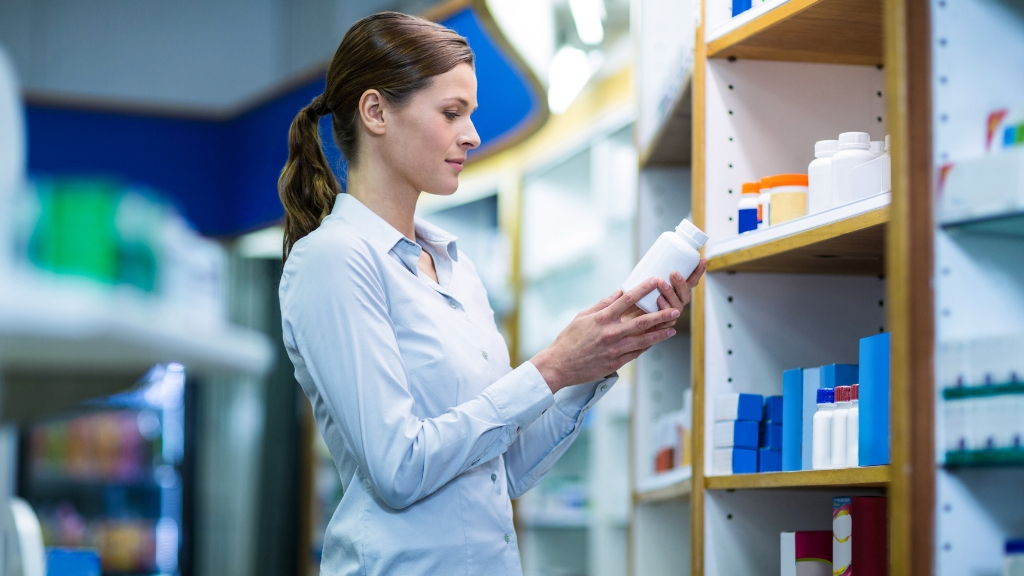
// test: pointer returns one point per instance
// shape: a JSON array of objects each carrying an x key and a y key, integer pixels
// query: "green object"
[
  {"x": 985, "y": 458},
  {"x": 75, "y": 233}
]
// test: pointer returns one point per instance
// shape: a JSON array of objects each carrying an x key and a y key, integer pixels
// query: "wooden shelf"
[
  {"x": 853, "y": 245},
  {"x": 672, "y": 142},
  {"x": 680, "y": 489},
  {"x": 827, "y": 31},
  {"x": 867, "y": 477}
]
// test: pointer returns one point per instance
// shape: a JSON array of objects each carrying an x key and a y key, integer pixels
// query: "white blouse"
[{"x": 431, "y": 430}]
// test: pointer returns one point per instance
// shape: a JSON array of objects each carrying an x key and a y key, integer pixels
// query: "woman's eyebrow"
[{"x": 463, "y": 101}]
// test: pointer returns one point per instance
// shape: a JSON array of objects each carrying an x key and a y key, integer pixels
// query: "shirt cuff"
[
  {"x": 521, "y": 397},
  {"x": 571, "y": 400}
]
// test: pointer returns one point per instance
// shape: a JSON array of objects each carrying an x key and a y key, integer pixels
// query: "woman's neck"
[{"x": 389, "y": 197}]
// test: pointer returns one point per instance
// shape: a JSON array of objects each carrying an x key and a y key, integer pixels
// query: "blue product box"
[
  {"x": 736, "y": 433},
  {"x": 738, "y": 407},
  {"x": 744, "y": 461},
  {"x": 838, "y": 375},
  {"x": 740, "y": 6},
  {"x": 812, "y": 381},
  {"x": 792, "y": 418},
  {"x": 874, "y": 400},
  {"x": 771, "y": 436},
  {"x": 773, "y": 409},
  {"x": 72, "y": 562},
  {"x": 769, "y": 460}
]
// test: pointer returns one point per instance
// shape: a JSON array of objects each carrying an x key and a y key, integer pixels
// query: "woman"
[{"x": 390, "y": 331}]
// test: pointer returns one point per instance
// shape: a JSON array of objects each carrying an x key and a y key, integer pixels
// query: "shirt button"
[
  {"x": 485, "y": 355},
  {"x": 452, "y": 304},
  {"x": 507, "y": 538},
  {"x": 475, "y": 462},
  {"x": 604, "y": 387},
  {"x": 494, "y": 477}
]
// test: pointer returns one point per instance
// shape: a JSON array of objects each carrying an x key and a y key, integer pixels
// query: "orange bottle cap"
[
  {"x": 784, "y": 180},
  {"x": 751, "y": 188}
]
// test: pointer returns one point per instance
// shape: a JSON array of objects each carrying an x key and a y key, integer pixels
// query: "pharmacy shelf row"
[{"x": 65, "y": 340}]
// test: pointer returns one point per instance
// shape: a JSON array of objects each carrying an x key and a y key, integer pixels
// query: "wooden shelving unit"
[
  {"x": 826, "y": 31},
  {"x": 868, "y": 477},
  {"x": 854, "y": 245},
  {"x": 674, "y": 491}
]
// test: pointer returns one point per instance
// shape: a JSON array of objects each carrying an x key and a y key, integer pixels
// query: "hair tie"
[{"x": 319, "y": 106}]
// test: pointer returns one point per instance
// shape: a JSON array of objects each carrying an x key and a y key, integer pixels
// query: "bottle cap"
[
  {"x": 783, "y": 180},
  {"x": 877, "y": 147},
  {"x": 826, "y": 396},
  {"x": 1015, "y": 546},
  {"x": 854, "y": 392},
  {"x": 825, "y": 148},
  {"x": 886, "y": 142},
  {"x": 692, "y": 233},
  {"x": 854, "y": 141},
  {"x": 751, "y": 188},
  {"x": 843, "y": 394}
]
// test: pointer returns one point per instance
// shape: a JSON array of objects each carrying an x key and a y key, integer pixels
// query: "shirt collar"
[{"x": 384, "y": 236}]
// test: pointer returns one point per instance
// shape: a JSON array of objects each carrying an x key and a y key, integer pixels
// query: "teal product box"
[
  {"x": 736, "y": 433},
  {"x": 812, "y": 381},
  {"x": 792, "y": 419},
  {"x": 838, "y": 375},
  {"x": 769, "y": 460},
  {"x": 72, "y": 562},
  {"x": 773, "y": 409},
  {"x": 738, "y": 407},
  {"x": 771, "y": 436},
  {"x": 874, "y": 400}
]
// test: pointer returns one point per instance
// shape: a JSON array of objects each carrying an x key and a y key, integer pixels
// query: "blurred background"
[{"x": 151, "y": 417}]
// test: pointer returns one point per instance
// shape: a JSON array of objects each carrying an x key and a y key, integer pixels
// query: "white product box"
[{"x": 982, "y": 187}]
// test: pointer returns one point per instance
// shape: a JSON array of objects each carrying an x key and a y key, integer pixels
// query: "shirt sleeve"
[
  {"x": 543, "y": 443},
  {"x": 336, "y": 318}
]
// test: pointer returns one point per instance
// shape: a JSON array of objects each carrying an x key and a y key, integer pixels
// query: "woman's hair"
[{"x": 395, "y": 54}]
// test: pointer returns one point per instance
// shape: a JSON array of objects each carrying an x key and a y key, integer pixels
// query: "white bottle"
[
  {"x": 677, "y": 251},
  {"x": 886, "y": 167},
  {"x": 839, "y": 418},
  {"x": 819, "y": 176},
  {"x": 821, "y": 430},
  {"x": 853, "y": 429},
  {"x": 877, "y": 148},
  {"x": 854, "y": 150}
]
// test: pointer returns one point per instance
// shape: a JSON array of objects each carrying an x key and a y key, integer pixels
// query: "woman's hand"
[
  {"x": 675, "y": 295},
  {"x": 601, "y": 340}
]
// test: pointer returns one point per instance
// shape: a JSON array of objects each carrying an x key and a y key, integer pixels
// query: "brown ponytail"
[{"x": 397, "y": 55}]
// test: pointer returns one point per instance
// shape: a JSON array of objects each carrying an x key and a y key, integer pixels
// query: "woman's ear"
[{"x": 371, "y": 112}]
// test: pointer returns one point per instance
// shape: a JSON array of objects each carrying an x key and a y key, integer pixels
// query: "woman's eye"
[{"x": 451, "y": 115}]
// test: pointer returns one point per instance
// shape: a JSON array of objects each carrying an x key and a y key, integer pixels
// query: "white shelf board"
[
  {"x": 55, "y": 327},
  {"x": 803, "y": 224},
  {"x": 750, "y": 15},
  {"x": 663, "y": 480}
]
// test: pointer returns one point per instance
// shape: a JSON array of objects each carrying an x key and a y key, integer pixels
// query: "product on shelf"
[
  {"x": 806, "y": 553},
  {"x": 874, "y": 400},
  {"x": 886, "y": 166},
  {"x": 844, "y": 399},
  {"x": 1013, "y": 563},
  {"x": 833, "y": 375},
  {"x": 859, "y": 535},
  {"x": 853, "y": 428},
  {"x": 72, "y": 562},
  {"x": 769, "y": 455},
  {"x": 736, "y": 434},
  {"x": 1005, "y": 128},
  {"x": 737, "y": 419},
  {"x": 854, "y": 150},
  {"x": 822, "y": 429},
  {"x": 773, "y": 409},
  {"x": 740, "y": 6},
  {"x": 787, "y": 197},
  {"x": 677, "y": 251},
  {"x": 983, "y": 399},
  {"x": 792, "y": 420},
  {"x": 819, "y": 176},
  {"x": 749, "y": 207},
  {"x": 733, "y": 461},
  {"x": 738, "y": 406},
  {"x": 983, "y": 187},
  {"x": 672, "y": 437}
]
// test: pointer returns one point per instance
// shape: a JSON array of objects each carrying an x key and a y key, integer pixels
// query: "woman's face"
[{"x": 428, "y": 138}]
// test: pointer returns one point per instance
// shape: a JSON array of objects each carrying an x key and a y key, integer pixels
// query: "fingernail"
[
  {"x": 671, "y": 332},
  {"x": 675, "y": 313}
]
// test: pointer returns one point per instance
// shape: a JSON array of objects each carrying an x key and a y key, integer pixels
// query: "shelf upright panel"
[{"x": 978, "y": 278}]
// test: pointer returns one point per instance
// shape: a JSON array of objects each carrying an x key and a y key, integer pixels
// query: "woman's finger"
[
  {"x": 694, "y": 278},
  {"x": 647, "y": 340},
  {"x": 671, "y": 292},
  {"x": 644, "y": 324},
  {"x": 603, "y": 303},
  {"x": 615, "y": 310}
]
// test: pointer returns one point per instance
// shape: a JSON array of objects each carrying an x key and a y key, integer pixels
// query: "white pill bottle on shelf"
[
  {"x": 819, "y": 176},
  {"x": 821, "y": 430},
  {"x": 839, "y": 430},
  {"x": 853, "y": 429},
  {"x": 886, "y": 167},
  {"x": 854, "y": 150},
  {"x": 677, "y": 251}
]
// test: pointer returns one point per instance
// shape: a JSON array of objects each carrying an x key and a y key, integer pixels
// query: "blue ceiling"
[{"x": 222, "y": 174}]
